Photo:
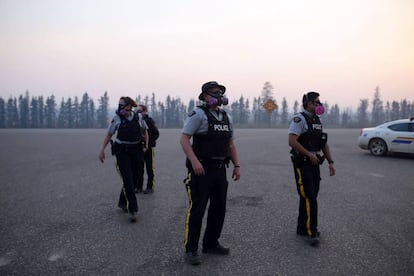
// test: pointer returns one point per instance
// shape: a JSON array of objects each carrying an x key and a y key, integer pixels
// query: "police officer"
[
  {"x": 207, "y": 159},
  {"x": 130, "y": 144},
  {"x": 149, "y": 160},
  {"x": 309, "y": 150}
]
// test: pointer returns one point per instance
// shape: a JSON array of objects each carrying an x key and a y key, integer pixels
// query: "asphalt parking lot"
[{"x": 58, "y": 212}]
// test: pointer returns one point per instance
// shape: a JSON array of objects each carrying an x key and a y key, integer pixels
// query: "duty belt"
[{"x": 214, "y": 162}]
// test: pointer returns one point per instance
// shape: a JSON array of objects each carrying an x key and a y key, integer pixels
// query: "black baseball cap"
[
  {"x": 208, "y": 85},
  {"x": 309, "y": 97}
]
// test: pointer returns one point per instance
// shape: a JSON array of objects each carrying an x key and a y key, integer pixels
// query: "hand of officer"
[
  {"x": 236, "y": 173},
  {"x": 102, "y": 156},
  {"x": 198, "y": 168},
  {"x": 331, "y": 169},
  {"x": 314, "y": 159}
]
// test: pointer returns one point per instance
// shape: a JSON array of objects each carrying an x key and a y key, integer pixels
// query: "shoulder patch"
[
  {"x": 191, "y": 113},
  {"x": 297, "y": 119}
]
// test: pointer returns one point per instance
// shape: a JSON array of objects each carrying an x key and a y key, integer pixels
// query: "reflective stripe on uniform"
[
  {"x": 153, "y": 167},
  {"x": 303, "y": 194},
  {"x": 187, "y": 182}
]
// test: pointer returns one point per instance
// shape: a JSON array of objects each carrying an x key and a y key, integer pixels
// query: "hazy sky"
[{"x": 343, "y": 49}]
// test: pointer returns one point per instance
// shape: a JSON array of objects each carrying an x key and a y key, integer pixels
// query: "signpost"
[{"x": 270, "y": 106}]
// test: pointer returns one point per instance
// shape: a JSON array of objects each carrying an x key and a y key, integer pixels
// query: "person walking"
[
  {"x": 208, "y": 156},
  {"x": 129, "y": 146},
  {"x": 149, "y": 155},
  {"x": 309, "y": 148}
]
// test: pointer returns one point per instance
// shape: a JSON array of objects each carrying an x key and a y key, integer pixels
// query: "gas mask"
[
  {"x": 121, "y": 111},
  {"x": 319, "y": 109},
  {"x": 217, "y": 99}
]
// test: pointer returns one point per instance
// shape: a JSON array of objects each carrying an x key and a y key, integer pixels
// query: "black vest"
[
  {"x": 130, "y": 131},
  {"x": 215, "y": 142},
  {"x": 314, "y": 139}
]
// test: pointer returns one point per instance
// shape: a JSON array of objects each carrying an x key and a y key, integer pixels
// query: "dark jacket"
[{"x": 153, "y": 132}]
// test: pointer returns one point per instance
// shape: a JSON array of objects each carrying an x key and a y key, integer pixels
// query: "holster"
[{"x": 321, "y": 158}]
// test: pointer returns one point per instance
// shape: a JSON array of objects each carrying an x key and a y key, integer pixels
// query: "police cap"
[{"x": 209, "y": 85}]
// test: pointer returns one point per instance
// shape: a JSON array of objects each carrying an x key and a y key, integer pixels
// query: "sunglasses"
[{"x": 317, "y": 102}]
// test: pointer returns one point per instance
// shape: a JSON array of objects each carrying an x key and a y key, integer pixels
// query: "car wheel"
[{"x": 377, "y": 147}]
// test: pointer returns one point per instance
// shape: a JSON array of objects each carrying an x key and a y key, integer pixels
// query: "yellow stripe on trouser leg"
[
  {"x": 153, "y": 168},
  {"x": 302, "y": 193},
  {"x": 187, "y": 181},
  {"x": 123, "y": 187}
]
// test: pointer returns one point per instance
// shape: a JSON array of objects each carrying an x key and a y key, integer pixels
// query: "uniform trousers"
[
  {"x": 201, "y": 189},
  {"x": 138, "y": 184},
  {"x": 128, "y": 160},
  {"x": 150, "y": 167},
  {"x": 307, "y": 183}
]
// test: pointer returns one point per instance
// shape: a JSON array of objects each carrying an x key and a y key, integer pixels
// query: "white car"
[{"x": 394, "y": 136}]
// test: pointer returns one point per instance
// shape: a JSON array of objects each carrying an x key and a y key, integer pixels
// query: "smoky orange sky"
[{"x": 342, "y": 49}]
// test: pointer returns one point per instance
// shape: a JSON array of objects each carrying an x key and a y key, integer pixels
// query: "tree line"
[{"x": 27, "y": 111}]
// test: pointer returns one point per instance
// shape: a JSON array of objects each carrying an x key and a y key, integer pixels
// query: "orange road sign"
[{"x": 270, "y": 105}]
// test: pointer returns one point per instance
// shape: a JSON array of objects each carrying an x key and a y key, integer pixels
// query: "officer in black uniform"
[
  {"x": 309, "y": 150},
  {"x": 207, "y": 159},
  {"x": 130, "y": 144},
  {"x": 149, "y": 156}
]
